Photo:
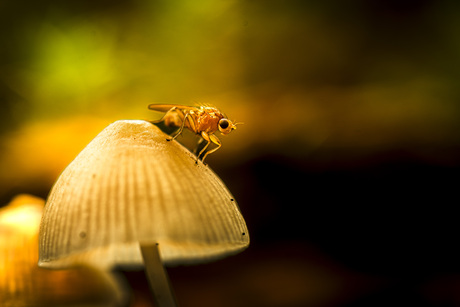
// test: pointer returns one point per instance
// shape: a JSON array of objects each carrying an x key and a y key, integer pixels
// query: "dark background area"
[{"x": 346, "y": 168}]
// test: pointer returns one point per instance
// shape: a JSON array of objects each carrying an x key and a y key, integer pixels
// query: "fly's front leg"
[
  {"x": 210, "y": 138},
  {"x": 216, "y": 141}
]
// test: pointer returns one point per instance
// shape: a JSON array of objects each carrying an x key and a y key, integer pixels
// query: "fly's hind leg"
[
  {"x": 172, "y": 118},
  {"x": 210, "y": 138},
  {"x": 180, "y": 129},
  {"x": 191, "y": 125}
]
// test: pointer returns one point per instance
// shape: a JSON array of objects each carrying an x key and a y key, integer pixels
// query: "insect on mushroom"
[
  {"x": 202, "y": 120},
  {"x": 186, "y": 217}
]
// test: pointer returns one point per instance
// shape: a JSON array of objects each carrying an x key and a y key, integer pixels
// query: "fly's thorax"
[{"x": 208, "y": 121}]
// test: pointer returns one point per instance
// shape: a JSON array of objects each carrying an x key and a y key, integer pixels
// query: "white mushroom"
[
  {"x": 23, "y": 283},
  {"x": 131, "y": 190}
]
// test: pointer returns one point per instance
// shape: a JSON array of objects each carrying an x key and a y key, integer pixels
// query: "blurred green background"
[{"x": 346, "y": 167}]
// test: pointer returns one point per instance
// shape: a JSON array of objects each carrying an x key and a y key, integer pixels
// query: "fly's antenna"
[{"x": 236, "y": 123}]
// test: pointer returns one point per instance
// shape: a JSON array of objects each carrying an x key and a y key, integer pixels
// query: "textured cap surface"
[{"x": 131, "y": 186}]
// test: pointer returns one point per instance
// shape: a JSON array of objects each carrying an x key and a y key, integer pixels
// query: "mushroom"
[
  {"x": 131, "y": 198},
  {"x": 23, "y": 283}
]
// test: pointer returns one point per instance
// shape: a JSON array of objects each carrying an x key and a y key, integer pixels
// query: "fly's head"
[{"x": 226, "y": 126}]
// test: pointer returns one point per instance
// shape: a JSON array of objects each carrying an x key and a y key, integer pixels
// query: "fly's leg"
[
  {"x": 191, "y": 125},
  {"x": 180, "y": 129},
  {"x": 191, "y": 122},
  {"x": 172, "y": 118},
  {"x": 210, "y": 138},
  {"x": 205, "y": 137},
  {"x": 216, "y": 141},
  {"x": 195, "y": 151}
]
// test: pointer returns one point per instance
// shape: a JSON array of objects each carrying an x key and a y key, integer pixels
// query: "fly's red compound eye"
[{"x": 223, "y": 123}]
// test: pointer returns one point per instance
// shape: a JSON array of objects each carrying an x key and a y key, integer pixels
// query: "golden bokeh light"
[{"x": 23, "y": 283}]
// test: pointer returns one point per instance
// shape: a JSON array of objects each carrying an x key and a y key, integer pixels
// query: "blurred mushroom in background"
[
  {"x": 132, "y": 198},
  {"x": 23, "y": 283}
]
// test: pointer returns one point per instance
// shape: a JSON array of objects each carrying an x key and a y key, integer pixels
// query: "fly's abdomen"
[{"x": 173, "y": 119}]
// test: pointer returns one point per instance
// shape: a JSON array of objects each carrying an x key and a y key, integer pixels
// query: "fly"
[{"x": 202, "y": 120}]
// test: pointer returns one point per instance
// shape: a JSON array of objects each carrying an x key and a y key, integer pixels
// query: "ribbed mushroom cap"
[{"x": 131, "y": 186}]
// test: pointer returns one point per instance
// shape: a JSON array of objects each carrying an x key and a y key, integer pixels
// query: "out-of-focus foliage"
[
  {"x": 116, "y": 57},
  {"x": 60, "y": 63},
  {"x": 298, "y": 74},
  {"x": 347, "y": 75}
]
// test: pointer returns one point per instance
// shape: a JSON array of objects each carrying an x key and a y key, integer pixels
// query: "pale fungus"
[
  {"x": 23, "y": 283},
  {"x": 132, "y": 198}
]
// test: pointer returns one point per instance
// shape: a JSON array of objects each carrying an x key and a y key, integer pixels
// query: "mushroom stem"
[{"x": 157, "y": 276}]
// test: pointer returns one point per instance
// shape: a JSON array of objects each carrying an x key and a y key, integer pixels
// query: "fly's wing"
[{"x": 167, "y": 107}]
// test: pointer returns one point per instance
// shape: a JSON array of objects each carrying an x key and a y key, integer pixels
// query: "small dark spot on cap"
[
  {"x": 243, "y": 233},
  {"x": 82, "y": 234},
  {"x": 231, "y": 199}
]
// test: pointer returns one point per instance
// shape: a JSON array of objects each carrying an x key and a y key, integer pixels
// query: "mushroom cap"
[
  {"x": 130, "y": 186},
  {"x": 23, "y": 283}
]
